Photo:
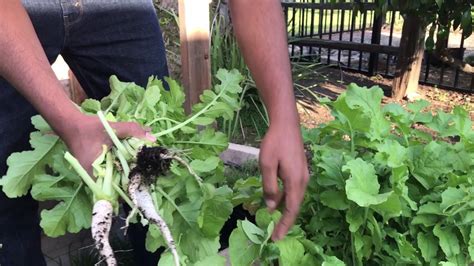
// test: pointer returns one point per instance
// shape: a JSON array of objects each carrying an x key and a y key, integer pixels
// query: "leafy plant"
[
  {"x": 389, "y": 186},
  {"x": 191, "y": 197}
]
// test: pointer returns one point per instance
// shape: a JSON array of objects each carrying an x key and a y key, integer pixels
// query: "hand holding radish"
[{"x": 86, "y": 137}]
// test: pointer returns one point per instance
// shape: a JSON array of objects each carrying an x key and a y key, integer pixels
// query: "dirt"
[
  {"x": 312, "y": 113},
  {"x": 151, "y": 164}
]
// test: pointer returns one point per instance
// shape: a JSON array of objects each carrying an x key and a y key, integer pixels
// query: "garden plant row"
[{"x": 388, "y": 184}]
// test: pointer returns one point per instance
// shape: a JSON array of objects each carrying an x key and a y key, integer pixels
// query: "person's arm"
[
  {"x": 260, "y": 31},
  {"x": 23, "y": 64}
]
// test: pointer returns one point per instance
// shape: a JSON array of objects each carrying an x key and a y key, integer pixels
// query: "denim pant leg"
[
  {"x": 20, "y": 234},
  {"x": 120, "y": 38}
]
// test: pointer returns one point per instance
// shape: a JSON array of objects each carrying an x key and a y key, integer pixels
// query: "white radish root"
[
  {"x": 142, "y": 199},
  {"x": 101, "y": 223}
]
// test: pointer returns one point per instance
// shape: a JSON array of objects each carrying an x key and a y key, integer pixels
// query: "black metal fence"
[{"x": 334, "y": 33}]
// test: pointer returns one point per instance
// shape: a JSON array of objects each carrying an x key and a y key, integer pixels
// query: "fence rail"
[{"x": 334, "y": 33}]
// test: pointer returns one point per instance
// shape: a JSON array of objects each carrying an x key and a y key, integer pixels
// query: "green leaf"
[
  {"x": 73, "y": 214},
  {"x": 448, "y": 263},
  {"x": 442, "y": 123},
  {"x": 398, "y": 179},
  {"x": 291, "y": 251},
  {"x": 198, "y": 247},
  {"x": 203, "y": 121},
  {"x": 40, "y": 124},
  {"x": 263, "y": 217},
  {"x": 429, "y": 162},
  {"x": 331, "y": 162},
  {"x": 348, "y": 120},
  {"x": 216, "y": 260},
  {"x": 229, "y": 80},
  {"x": 252, "y": 232},
  {"x": 390, "y": 208},
  {"x": 407, "y": 251},
  {"x": 427, "y": 220},
  {"x": 333, "y": 261},
  {"x": 215, "y": 212},
  {"x": 248, "y": 191},
  {"x": 363, "y": 187},
  {"x": 392, "y": 153},
  {"x": 334, "y": 199},
  {"x": 154, "y": 240},
  {"x": 91, "y": 106},
  {"x": 369, "y": 100},
  {"x": 471, "y": 243},
  {"x": 428, "y": 246},
  {"x": 448, "y": 240},
  {"x": 439, "y": 3},
  {"x": 242, "y": 252},
  {"x": 166, "y": 259},
  {"x": 23, "y": 166},
  {"x": 418, "y": 114},
  {"x": 355, "y": 218},
  {"x": 309, "y": 260},
  {"x": 175, "y": 97},
  {"x": 376, "y": 232},
  {"x": 450, "y": 197},
  {"x": 462, "y": 123},
  {"x": 205, "y": 166},
  {"x": 269, "y": 254},
  {"x": 430, "y": 208}
]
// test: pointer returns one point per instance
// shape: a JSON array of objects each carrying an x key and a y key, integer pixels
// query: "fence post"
[
  {"x": 407, "y": 72},
  {"x": 194, "y": 41},
  {"x": 376, "y": 36}
]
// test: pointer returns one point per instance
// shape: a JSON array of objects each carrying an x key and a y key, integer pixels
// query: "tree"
[{"x": 440, "y": 16}]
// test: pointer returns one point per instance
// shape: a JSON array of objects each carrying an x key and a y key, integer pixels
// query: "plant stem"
[
  {"x": 162, "y": 119},
  {"x": 123, "y": 195},
  {"x": 129, "y": 148},
  {"x": 167, "y": 197},
  {"x": 461, "y": 208},
  {"x": 84, "y": 175},
  {"x": 199, "y": 143},
  {"x": 123, "y": 162},
  {"x": 353, "y": 250},
  {"x": 237, "y": 116},
  {"x": 114, "y": 101},
  {"x": 108, "y": 177},
  {"x": 111, "y": 133},
  {"x": 183, "y": 162},
  {"x": 192, "y": 118}
]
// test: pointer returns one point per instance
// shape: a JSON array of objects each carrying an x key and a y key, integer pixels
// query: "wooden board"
[{"x": 195, "y": 43}]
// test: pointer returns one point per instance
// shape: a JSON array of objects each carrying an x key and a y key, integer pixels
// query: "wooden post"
[
  {"x": 195, "y": 58},
  {"x": 412, "y": 44}
]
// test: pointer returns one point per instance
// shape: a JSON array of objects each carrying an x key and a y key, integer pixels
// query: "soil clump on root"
[{"x": 150, "y": 163}]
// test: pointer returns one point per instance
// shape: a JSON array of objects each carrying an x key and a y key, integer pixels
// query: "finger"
[
  {"x": 87, "y": 164},
  {"x": 269, "y": 169},
  {"x": 131, "y": 129},
  {"x": 294, "y": 193}
]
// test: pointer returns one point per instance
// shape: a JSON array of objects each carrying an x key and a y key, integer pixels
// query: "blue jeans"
[{"x": 97, "y": 39}]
